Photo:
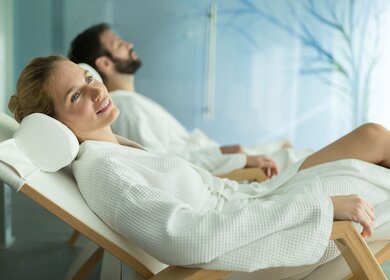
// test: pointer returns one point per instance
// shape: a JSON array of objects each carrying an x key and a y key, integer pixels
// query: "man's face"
[{"x": 123, "y": 56}]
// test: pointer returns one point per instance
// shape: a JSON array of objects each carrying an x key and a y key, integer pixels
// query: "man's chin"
[{"x": 129, "y": 67}]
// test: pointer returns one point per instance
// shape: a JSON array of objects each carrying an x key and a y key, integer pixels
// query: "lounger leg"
[
  {"x": 356, "y": 252},
  {"x": 111, "y": 268},
  {"x": 6, "y": 237},
  {"x": 129, "y": 273},
  {"x": 383, "y": 254},
  {"x": 85, "y": 262},
  {"x": 73, "y": 238}
]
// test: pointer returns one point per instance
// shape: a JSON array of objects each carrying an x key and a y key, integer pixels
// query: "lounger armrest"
[
  {"x": 249, "y": 174},
  {"x": 356, "y": 252}
]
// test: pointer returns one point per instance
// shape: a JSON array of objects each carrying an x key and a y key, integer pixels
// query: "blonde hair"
[{"x": 32, "y": 88}]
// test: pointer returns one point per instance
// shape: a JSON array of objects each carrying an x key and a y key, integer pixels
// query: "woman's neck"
[{"x": 105, "y": 135}]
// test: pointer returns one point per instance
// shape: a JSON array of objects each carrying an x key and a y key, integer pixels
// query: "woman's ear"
[{"x": 104, "y": 65}]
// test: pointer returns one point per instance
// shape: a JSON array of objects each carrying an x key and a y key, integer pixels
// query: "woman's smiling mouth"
[{"x": 104, "y": 106}]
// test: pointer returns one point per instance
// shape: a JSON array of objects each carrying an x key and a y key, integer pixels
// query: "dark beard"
[{"x": 126, "y": 66}]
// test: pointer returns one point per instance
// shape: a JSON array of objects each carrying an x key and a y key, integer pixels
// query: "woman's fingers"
[
  {"x": 365, "y": 220},
  {"x": 270, "y": 171},
  {"x": 370, "y": 211},
  {"x": 365, "y": 233},
  {"x": 269, "y": 166},
  {"x": 354, "y": 208}
]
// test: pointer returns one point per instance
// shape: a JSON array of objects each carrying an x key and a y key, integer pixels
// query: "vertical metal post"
[
  {"x": 208, "y": 112},
  {"x": 7, "y": 83},
  {"x": 6, "y": 86},
  {"x": 6, "y": 238}
]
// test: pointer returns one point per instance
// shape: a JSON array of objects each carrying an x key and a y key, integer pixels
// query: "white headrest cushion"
[
  {"x": 92, "y": 71},
  {"x": 48, "y": 143}
]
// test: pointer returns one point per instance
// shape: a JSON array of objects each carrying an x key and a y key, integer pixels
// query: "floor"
[
  {"x": 40, "y": 250},
  {"x": 386, "y": 268}
]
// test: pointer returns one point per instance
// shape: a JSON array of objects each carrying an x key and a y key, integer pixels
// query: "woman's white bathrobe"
[
  {"x": 182, "y": 215},
  {"x": 146, "y": 122}
]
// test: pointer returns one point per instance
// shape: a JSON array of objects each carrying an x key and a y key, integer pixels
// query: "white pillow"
[
  {"x": 48, "y": 143},
  {"x": 92, "y": 71}
]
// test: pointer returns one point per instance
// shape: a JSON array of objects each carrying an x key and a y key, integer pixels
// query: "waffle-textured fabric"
[
  {"x": 149, "y": 124},
  {"x": 182, "y": 215}
]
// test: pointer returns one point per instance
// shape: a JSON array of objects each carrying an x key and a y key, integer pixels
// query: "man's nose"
[{"x": 129, "y": 45}]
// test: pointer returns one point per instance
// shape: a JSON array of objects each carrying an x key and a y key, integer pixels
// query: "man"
[{"x": 146, "y": 122}]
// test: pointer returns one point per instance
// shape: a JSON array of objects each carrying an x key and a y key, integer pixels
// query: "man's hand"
[
  {"x": 356, "y": 209},
  {"x": 265, "y": 163},
  {"x": 233, "y": 149}
]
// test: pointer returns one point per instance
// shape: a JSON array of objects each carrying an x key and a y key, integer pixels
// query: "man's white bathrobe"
[
  {"x": 146, "y": 122},
  {"x": 182, "y": 215}
]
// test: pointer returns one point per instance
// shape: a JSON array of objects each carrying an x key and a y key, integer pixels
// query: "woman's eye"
[
  {"x": 74, "y": 97},
  {"x": 89, "y": 79}
]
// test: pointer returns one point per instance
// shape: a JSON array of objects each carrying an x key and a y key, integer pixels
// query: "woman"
[{"x": 182, "y": 215}]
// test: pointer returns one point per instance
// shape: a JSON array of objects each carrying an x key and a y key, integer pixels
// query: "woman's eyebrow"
[{"x": 72, "y": 88}]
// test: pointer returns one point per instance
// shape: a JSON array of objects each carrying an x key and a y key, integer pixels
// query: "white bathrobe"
[
  {"x": 182, "y": 215},
  {"x": 146, "y": 122}
]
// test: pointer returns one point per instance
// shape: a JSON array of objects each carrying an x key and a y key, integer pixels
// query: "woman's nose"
[{"x": 95, "y": 92}]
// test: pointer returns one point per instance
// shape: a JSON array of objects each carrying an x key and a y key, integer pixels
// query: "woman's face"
[{"x": 81, "y": 102}]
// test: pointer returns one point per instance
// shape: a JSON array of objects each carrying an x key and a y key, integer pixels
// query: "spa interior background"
[{"x": 243, "y": 71}]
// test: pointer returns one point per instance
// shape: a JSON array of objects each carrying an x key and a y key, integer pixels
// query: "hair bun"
[
  {"x": 14, "y": 107},
  {"x": 14, "y": 98}
]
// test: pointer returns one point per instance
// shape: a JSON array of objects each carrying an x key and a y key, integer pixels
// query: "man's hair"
[{"x": 87, "y": 47}]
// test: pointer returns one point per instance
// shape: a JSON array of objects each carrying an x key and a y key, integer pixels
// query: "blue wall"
[
  {"x": 261, "y": 90},
  {"x": 32, "y": 31}
]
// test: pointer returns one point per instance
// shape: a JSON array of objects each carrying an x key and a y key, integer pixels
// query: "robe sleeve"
[
  {"x": 297, "y": 228},
  {"x": 214, "y": 161},
  {"x": 174, "y": 233}
]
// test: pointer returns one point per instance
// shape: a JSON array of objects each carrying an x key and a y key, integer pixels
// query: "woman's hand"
[
  {"x": 356, "y": 209},
  {"x": 265, "y": 163}
]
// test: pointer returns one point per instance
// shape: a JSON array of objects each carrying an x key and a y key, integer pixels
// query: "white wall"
[{"x": 6, "y": 53}]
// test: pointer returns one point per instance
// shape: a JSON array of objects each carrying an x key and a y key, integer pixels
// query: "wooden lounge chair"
[{"x": 59, "y": 194}]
